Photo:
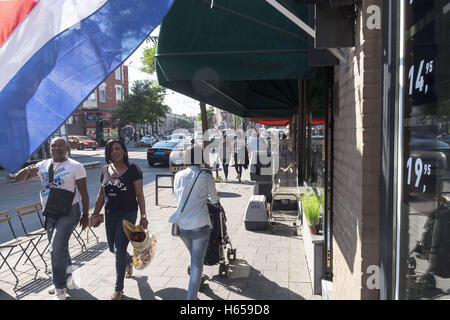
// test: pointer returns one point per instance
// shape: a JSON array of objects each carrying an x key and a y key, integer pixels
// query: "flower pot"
[{"x": 314, "y": 229}]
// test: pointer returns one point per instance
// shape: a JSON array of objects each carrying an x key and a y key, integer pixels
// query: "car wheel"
[
  {"x": 79, "y": 147},
  {"x": 151, "y": 164},
  {"x": 94, "y": 149}
]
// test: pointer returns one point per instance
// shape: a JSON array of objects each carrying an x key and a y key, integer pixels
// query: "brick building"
[{"x": 95, "y": 112}]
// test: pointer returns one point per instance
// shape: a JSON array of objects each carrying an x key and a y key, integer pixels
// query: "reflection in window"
[{"x": 425, "y": 238}]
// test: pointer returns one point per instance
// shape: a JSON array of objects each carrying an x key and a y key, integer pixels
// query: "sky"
[{"x": 180, "y": 104}]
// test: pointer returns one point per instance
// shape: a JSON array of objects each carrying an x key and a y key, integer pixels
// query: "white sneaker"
[
  {"x": 60, "y": 294},
  {"x": 70, "y": 284}
]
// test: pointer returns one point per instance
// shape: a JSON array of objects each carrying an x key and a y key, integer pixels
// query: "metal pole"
[{"x": 338, "y": 54}]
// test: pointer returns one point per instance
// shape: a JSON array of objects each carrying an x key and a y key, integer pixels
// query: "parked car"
[
  {"x": 178, "y": 137},
  {"x": 147, "y": 141},
  {"x": 160, "y": 152},
  {"x": 82, "y": 142}
]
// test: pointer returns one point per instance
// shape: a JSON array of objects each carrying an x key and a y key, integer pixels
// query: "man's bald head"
[
  {"x": 58, "y": 149},
  {"x": 57, "y": 139}
]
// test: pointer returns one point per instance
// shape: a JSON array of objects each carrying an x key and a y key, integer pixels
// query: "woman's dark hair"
[{"x": 108, "y": 151}]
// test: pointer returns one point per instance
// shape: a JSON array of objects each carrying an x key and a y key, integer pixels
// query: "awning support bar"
[{"x": 310, "y": 31}]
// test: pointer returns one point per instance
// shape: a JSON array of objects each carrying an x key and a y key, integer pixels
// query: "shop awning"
[
  {"x": 271, "y": 121},
  {"x": 241, "y": 56}
]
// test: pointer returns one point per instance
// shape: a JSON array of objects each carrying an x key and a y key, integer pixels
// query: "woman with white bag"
[{"x": 192, "y": 187}]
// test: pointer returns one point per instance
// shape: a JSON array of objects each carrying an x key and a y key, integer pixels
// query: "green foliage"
[
  {"x": 143, "y": 105},
  {"x": 185, "y": 124},
  {"x": 210, "y": 114},
  {"x": 148, "y": 59},
  {"x": 311, "y": 207}
]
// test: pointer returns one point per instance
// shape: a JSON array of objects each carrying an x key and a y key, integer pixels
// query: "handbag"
[
  {"x": 59, "y": 201},
  {"x": 175, "y": 229}
]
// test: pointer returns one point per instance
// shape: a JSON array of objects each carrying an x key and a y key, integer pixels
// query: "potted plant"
[{"x": 311, "y": 209}]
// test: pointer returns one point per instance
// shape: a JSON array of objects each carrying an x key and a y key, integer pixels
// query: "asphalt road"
[{"x": 14, "y": 194}]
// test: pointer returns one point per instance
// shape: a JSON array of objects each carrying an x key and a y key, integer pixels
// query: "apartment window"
[
  {"x": 118, "y": 73},
  {"x": 118, "y": 93},
  {"x": 102, "y": 92}
]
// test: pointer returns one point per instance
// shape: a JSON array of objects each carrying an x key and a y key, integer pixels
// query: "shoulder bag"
[
  {"x": 175, "y": 229},
  {"x": 59, "y": 201}
]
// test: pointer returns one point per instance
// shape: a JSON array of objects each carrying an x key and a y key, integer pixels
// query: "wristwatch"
[{"x": 143, "y": 216}]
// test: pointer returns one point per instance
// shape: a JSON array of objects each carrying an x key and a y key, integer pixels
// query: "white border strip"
[
  {"x": 338, "y": 54},
  {"x": 400, "y": 147},
  {"x": 47, "y": 19},
  {"x": 293, "y": 18}
]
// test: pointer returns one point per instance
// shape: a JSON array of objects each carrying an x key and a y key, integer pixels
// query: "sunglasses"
[{"x": 137, "y": 236}]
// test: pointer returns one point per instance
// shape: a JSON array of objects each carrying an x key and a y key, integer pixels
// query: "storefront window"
[
  {"x": 314, "y": 146},
  {"x": 424, "y": 260}
]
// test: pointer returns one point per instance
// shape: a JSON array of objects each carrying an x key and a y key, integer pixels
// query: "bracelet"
[{"x": 143, "y": 216}]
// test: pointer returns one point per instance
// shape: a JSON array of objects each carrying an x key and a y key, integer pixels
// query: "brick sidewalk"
[{"x": 268, "y": 266}]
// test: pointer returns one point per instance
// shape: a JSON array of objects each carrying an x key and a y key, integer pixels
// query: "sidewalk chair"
[
  {"x": 16, "y": 242},
  {"x": 75, "y": 233},
  {"x": 35, "y": 208}
]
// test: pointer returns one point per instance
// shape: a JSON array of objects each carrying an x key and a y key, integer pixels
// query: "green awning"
[{"x": 241, "y": 56}]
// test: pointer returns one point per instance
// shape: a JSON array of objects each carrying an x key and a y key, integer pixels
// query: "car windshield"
[
  {"x": 83, "y": 138},
  {"x": 146, "y": 138},
  {"x": 165, "y": 144}
]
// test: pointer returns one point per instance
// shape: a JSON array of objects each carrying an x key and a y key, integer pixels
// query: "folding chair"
[
  {"x": 16, "y": 242},
  {"x": 75, "y": 233},
  {"x": 40, "y": 233}
]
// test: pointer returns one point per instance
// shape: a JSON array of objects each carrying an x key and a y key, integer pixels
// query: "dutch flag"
[{"x": 53, "y": 54}]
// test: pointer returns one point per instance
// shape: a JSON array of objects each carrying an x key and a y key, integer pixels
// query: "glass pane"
[{"x": 425, "y": 237}]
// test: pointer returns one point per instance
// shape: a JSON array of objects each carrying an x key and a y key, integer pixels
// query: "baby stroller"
[{"x": 219, "y": 241}]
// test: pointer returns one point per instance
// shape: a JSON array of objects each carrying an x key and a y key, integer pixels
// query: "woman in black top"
[{"x": 122, "y": 191}]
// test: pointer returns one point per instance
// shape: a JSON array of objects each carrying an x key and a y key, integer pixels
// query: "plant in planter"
[{"x": 311, "y": 209}]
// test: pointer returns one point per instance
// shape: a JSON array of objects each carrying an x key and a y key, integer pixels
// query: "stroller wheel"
[
  {"x": 223, "y": 270},
  {"x": 202, "y": 284},
  {"x": 231, "y": 254}
]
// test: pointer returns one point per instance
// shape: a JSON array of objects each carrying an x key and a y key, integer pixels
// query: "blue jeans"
[
  {"x": 196, "y": 241},
  {"x": 118, "y": 242},
  {"x": 59, "y": 231}
]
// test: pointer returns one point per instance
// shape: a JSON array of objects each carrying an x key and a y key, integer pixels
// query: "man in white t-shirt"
[{"x": 70, "y": 175}]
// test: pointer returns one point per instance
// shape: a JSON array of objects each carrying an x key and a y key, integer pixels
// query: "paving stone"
[{"x": 268, "y": 266}]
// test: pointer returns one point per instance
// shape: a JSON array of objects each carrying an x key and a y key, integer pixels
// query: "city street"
[{"x": 14, "y": 194}]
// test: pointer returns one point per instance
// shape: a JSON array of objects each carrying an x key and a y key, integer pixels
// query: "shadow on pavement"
[
  {"x": 5, "y": 296},
  {"x": 229, "y": 195},
  {"x": 147, "y": 293},
  {"x": 80, "y": 294},
  {"x": 91, "y": 253},
  {"x": 34, "y": 286},
  {"x": 247, "y": 281}
]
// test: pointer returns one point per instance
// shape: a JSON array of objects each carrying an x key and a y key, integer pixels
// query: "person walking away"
[
  {"x": 239, "y": 156},
  {"x": 225, "y": 154},
  {"x": 192, "y": 187},
  {"x": 121, "y": 191},
  {"x": 69, "y": 175}
]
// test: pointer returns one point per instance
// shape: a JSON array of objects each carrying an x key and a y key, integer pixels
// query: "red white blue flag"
[{"x": 53, "y": 54}]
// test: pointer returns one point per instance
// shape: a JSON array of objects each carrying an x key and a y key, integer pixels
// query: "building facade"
[{"x": 93, "y": 116}]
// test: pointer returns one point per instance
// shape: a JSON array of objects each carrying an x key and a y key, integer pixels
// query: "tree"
[
  {"x": 185, "y": 124},
  {"x": 148, "y": 59},
  {"x": 143, "y": 105},
  {"x": 210, "y": 115}
]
